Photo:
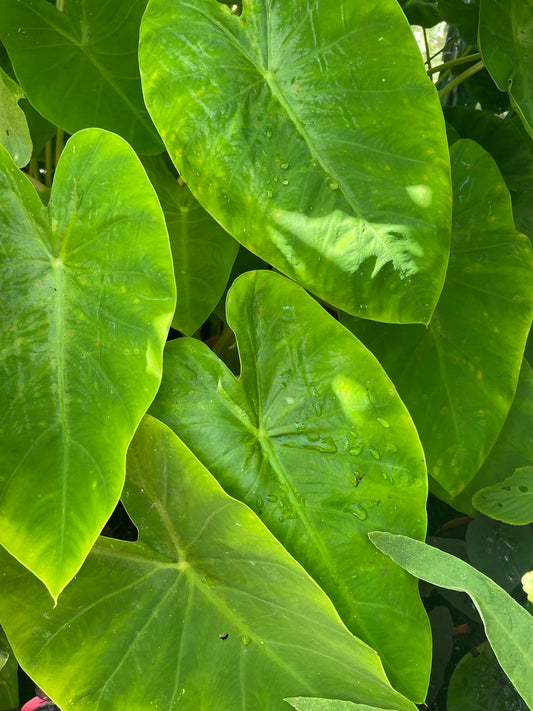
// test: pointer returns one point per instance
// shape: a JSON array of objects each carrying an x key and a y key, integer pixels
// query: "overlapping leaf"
[
  {"x": 283, "y": 122},
  {"x": 203, "y": 252},
  {"x": 14, "y": 132},
  {"x": 458, "y": 377},
  {"x": 509, "y": 626},
  {"x": 506, "y": 44},
  {"x": 79, "y": 68},
  {"x": 87, "y": 298},
  {"x": 8, "y": 675},
  {"x": 206, "y": 612},
  {"x": 310, "y": 704},
  {"x": 314, "y": 438},
  {"x": 511, "y": 501}
]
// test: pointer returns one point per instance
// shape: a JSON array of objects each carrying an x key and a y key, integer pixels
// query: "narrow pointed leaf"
[
  {"x": 511, "y": 501},
  {"x": 202, "y": 251},
  {"x": 79, "y": 68},
  {"x": 207, "y": 610},
  {"x": 458, "y": 377},
  {"x": 283, "y": 122},
  {"x": 314, "y": 438},
  {"x": 509, "y": 626},
  {"x": 14, "y": 132},
  {"x": 87, "y": 299},
  {"x": 506, "y": 45}
]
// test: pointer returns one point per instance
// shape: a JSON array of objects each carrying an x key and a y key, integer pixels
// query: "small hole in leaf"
[
  {"x": 523, "y": 489},
  {"x": 224, "y": 636}
]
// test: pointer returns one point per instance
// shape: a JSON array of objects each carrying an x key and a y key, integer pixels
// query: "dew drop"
[
  {"x": 374, "y": 453},
  {"x": 268, "y": 133},
  {"x": 358, "y": 511},
  {"x": 281, "y": 519},
  {"x": 271, "y": 498},
  {"x": 333, "y": 184},
  {"x": 356, "y": 449},
  {"x": 259, "y": 502},
  {"x": 246, "y": 640},
  {"x": 284, "y": 166},
  {"x": 391, "y": 447},
  {"x": 267, "y": 193},
  {"x": 383, "y": 423},
  {"x": 285, "y": 181}
]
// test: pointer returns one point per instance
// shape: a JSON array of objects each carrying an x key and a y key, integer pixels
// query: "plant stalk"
[
  {"x": 454, "y": 63},
  {"x": 461, "y": 78}
]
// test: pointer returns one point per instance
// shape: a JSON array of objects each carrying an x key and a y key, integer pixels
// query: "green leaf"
[
  {"x": 303, "y": 101},
  {"x": 464, "y": 14},
  {"x": 9, "y": 694},
  {"x": 88, "y": 295},
  {"x": 479, "y": 683},
  {"x": 458, "y": 377},
  {"x": 207, "y": 610},
  {"x": 506, "y": 45},
  {"x": 314, "y": 438},
  {"x": 511, "y": 501},
  {"x": 513, "y": 448},
  {"x": 203, "y": 252},
  {"x": 509, "y": 626},
  {"x": 14, "y": 132},
  {"x": 309, "y": 704},
  {"x": 421, "y": 12},
  {"x": 79, "y": 68},
  {"x": 502, "y": 552}
]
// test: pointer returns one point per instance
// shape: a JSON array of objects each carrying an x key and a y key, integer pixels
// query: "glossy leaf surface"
[
  {"x": 87, "y": 299},
  {"x": 511, "y": 501},
  {"x": 509, "y": 626},
  {"x": 506, "y": 45},
  {"x": 309, "y": 704},
  {"x": 458, "y": 377},
  {"x": 79, "y": 68},
  {"x": 283, "y": 122},
  {"x": 14, "y": 132},
  {"x": 314, "y": 438},
  {"x": 202, "y": 251},
  {"x": 513, "y": 448},
  {"x": 205, "y": 612},
  {"x": 479, "y": 683}
]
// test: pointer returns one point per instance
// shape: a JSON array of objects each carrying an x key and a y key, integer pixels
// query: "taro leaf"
[
  {"x": 421, "y": 12},
  {"x": 302, "y": 703},
  {"x": 508, "y": 626},
  {"x": 502, "y": 552},
  {"x": 513, "y": 448},
  {"x": 206, "y": 611},
  {"x": 458, "y": 377},
  {"x": 79, "y": 68},
  {"x": 314, "y": 438},
  {"x": 9, "y": 696},
  {"x": 303, "y": 100},
  {"x": 479, "y": 683},
  {"x": 464, "y": 14},
  {"x": 14, "y": 132},
  {"x": 87, "y": 298},
  {"x": 203, "y": 252},
  {"x": 506, "y": 45},
  {"x": 511, "y": 501}
]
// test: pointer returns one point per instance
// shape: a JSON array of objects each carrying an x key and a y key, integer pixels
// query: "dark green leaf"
[
  {"x": 203, "y": 252},
  {"x": 458, "y": 377},
  {"x": 509, "y": 626},
  {"x": 206, "y": 611},
  {"x": 464, "y": 14},
  {"x": 9, "y": 695},
  {"x": 283, "y": 122},
  {"x": 511, "y": 501},
  {"x": 421, "y": 12},
  {"x": 315, "y": 439},
  {"x": 506, "y": 44},
  {"x": 88, "y": 295},
  {"x": 14, "y": 133},
  {"x": 479, "y": 684},
  {"x": 79, "y": 68}
]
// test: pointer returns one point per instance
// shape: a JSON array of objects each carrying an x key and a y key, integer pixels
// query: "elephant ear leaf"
[
  {"x": 87, "y": 298},
  {"x": 304, "y": 99},
  {"x": 14, "y": 131},
  {"x": 206, "y": 610}
]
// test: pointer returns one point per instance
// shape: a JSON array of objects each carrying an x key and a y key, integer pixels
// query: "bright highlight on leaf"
[
  {"x": 236, "y": 622},
  {"x": 511, "y": 501},
  {"x": 87, "y": 298},
  {"x": 314, "y": 438},
  {"x": 509, "y": 626},
  {"x": 284, "y": 122}
]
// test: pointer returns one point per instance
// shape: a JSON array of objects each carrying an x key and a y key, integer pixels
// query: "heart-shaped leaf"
[
  {"x": 458, "y": 377},
  {"x": 79, "y": 68},
  {"x": 314, "y": 438},
  {"x": 203, "y": 252},
  {"x": 283, "y": 122},
  {"x": 207, "y": 610},
  {"x": 88, "y": 295},
  {"x": 509, "y": 626},
  {"x": 14, "y": 132},
  {"x": 506, "y": 45},
  {"x": 511, "y": 501}
]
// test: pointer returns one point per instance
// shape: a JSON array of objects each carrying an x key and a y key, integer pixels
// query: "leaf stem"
[
  {"x": 461, "y": 78},
  {"x": 426, "y": 44},
  {"x": 454, "y": 63}
]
